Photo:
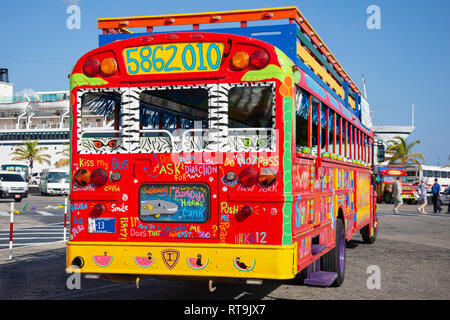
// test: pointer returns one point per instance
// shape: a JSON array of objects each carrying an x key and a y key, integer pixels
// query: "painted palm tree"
[
  {"x": 32, "y": 152},
  {"x": 399, "y": 152},
  {"x": 66, "y": 158}
]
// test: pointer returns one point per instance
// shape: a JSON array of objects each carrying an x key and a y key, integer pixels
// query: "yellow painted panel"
[
  {"x": 173, "y": 58},
  {"x": 178, "y": 259},
  {"x": 309, "y": 60}
]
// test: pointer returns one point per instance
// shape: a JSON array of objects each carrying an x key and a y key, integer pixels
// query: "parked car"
[
  {"x": 13, "y": 185},
  {"x": 445, "y": 196},
  {"x": 54, "y": 181},
  {"x": 35, "y": 178}
]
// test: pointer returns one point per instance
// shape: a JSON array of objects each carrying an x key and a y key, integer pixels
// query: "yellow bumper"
[{"x": 188, "y": 260}]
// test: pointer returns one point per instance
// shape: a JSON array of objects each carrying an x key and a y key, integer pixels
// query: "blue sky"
[{"x": 405, "y": 62}]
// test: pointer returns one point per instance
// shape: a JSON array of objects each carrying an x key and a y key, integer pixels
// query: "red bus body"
[{"x": 247, "y": 207}]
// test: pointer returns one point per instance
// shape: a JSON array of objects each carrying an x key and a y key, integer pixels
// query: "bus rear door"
[{"x": 173, "y": 165}]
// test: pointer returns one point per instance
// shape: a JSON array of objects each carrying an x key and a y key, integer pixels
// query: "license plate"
[
  {"x": 102, "y": 225},
  {"x": 173, "y": 58},
  {"x": 17, "y": 196}
]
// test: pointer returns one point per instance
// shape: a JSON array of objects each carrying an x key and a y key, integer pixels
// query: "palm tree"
[
  {"x": 31, "y": 152},
  {"x": 66, "y": 158},
  {"x": 399, "y": 152}
]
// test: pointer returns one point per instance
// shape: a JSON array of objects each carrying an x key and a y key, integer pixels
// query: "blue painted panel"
[{"x": 284, "y": 37}]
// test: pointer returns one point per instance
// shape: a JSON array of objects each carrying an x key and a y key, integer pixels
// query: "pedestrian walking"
[
  {"x": 435, "y": 194},
  {"x": 422, "y": 196},
  {"x": 397, "y": 194}
]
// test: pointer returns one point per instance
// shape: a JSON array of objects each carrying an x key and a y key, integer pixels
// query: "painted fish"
[{"x": 157, "y": 208}]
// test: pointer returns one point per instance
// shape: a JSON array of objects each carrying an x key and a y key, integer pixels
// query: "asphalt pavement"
[{"x": 411, "y": 258}]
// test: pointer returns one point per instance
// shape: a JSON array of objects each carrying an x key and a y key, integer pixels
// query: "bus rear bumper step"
[
  {"x": 316, "y": 277},
  {"x": 321, "y": 278}
]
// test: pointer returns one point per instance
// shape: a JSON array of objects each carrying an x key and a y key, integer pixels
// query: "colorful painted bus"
[
  {"x": 385, "y": 178},
  {"x": 235, "y": 153}
]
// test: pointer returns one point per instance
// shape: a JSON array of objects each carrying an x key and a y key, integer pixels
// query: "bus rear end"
[{"x": 181, "y": 149}]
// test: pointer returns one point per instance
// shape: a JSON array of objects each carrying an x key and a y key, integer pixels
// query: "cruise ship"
[{"x": 42, "y": 116}]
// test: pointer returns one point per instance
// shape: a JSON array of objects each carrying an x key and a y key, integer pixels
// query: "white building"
[{"x": 40, "y": 115}]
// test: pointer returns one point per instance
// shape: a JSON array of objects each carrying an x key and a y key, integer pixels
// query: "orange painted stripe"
[{"x": 198, "y": 18}]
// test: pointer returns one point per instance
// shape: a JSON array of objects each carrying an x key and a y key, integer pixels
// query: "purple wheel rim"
[{"x": 342, "y": 253}]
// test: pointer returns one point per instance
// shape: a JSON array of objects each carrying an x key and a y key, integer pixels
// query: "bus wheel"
[
  {"x": 365, "y": 233},
  {"x": 334, "y": 260}
]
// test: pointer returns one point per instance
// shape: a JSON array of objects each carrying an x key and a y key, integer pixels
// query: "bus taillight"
[
  {"x": 259, "y": 59},
  {"x": 91, "y": 67},
  {"x": 97, "y": 210},
  {"x": 244, "y": 213},
  {"x": 248, "y": 177},
  {"x": 240, "y": 60},
  {"x": 266, "y": 177},
  {"x": 108, "y": 67}
]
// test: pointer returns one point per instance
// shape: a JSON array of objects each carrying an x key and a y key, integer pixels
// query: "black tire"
[
  {"x": 365, "y": 233},
  {"x": 334, "y": 260}
]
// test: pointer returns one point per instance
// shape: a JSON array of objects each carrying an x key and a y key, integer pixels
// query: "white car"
[
  {"x": 35, "y": 178},
  {"x": 445, "y": 196},
  {"x": 12, "y": 185}
]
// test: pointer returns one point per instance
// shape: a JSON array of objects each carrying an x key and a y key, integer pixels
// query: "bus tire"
[
  {"x": 334, "y": 260},
  {"x": 365, "y": 233}
]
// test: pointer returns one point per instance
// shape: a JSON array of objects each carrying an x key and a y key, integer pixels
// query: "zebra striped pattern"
[{"x": 215, "y": 139}]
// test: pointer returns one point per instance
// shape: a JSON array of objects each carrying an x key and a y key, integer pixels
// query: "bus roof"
[
  {"x": 297, "y": 39},
  {"x": 393, "y": 172},
  {"x": 121, "y": 24}
]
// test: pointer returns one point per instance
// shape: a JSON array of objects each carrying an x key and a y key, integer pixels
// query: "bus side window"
[
  {"x": 301, "y": 119},
  {"x": 315, "y": 119}
]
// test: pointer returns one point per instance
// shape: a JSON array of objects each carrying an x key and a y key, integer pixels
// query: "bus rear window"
[
  {"x": 250, "y": 107},
  {"x": 101, "y": 114},
  {"x": 172, "y": 109},
  {"x": 172, "y": 119}
]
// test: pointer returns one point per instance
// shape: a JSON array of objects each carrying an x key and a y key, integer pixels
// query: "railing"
[{"x": 42, "y": 97}]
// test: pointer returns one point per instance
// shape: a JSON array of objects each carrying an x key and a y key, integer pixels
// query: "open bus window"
[
  {"x": 251, "y": 118},
  {"x": 170, "y": 117},
  {"x": 101, "y": 122}
]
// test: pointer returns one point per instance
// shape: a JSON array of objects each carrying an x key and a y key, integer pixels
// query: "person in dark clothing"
[{"x": 435, "y": 193}]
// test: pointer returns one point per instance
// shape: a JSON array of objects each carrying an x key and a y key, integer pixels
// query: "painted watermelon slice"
[
  {"x": 102, "y": 261},
  {"x": 144, "y": 262},
  {"x": 241, "y": 266},
  {"x": 192, "y": 262}
]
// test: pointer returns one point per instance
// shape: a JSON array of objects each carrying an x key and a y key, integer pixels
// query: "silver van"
[{"x": 54, "y": 181}]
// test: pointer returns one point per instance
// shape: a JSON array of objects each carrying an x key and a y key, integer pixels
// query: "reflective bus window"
[
  {"x": 301, "y": 119},
  {"x": 250, "y": 107},
  {"x": 171, "y": 117},
  {"x": 251, "y": 118},
  {"x": 100, "y": 110},
  {"x": 101, "y": 122}
]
